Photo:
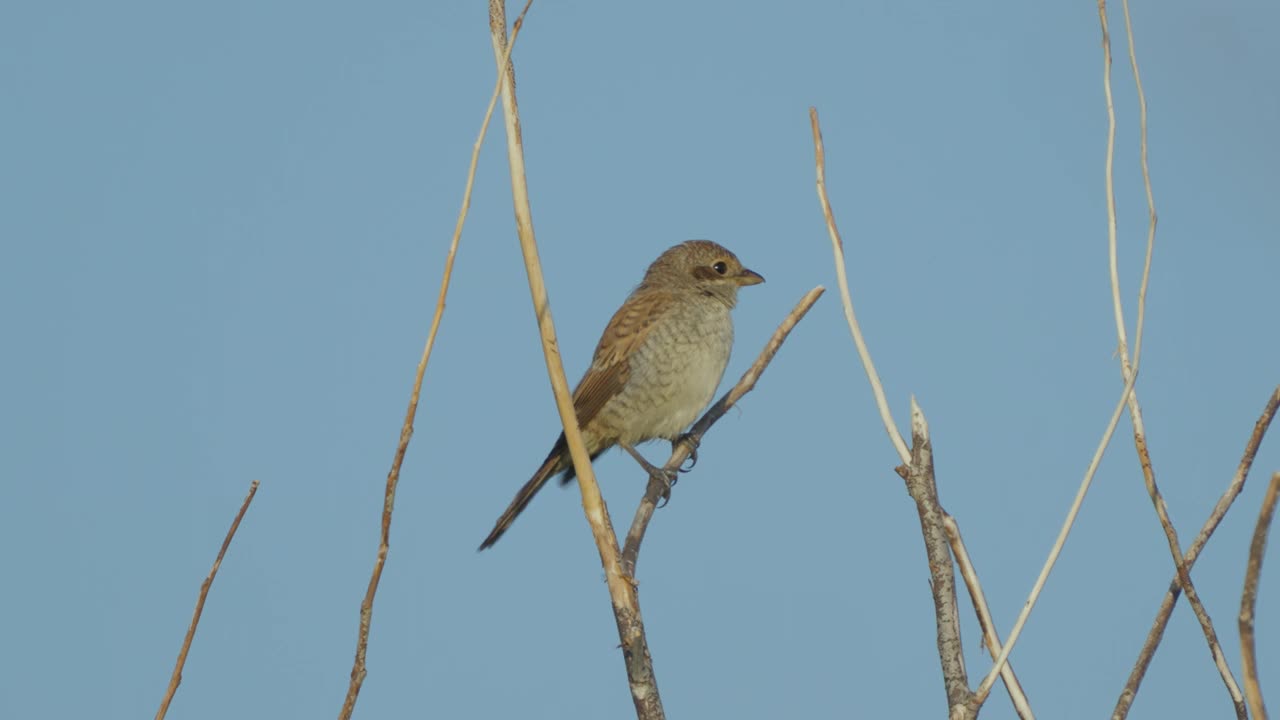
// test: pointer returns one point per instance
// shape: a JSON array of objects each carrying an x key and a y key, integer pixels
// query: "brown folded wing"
[{"x": 610, "y": 367}]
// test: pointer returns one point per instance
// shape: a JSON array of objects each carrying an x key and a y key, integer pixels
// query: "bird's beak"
[{"x": 749, "y": 277}]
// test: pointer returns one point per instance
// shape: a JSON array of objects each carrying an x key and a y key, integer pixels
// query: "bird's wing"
[{"x": 610, "y": 367}]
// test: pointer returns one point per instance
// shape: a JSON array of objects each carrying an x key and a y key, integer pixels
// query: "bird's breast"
[{"x": 674, "y": 373}]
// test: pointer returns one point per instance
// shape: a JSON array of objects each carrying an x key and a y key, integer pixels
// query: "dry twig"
[
  {"x": 985, "y": 688},
  {"x": 960, "y": 700},
  {"x": 622, "y": 594},
  {"x": 358, "y": 667},
  {"x": 837, "y": 246},
  {"x": 923, "y": 489},
  {"x": 1249, "y": 600},
  {"x": 1234, "y": 488},
  {"x": 1131, "y": 376},
  {"x": 991, "y": 639},
  {"x": 1127, "y": 370},
  {"x": 176, "y": 678},
  {"x": 917, "y": 464}
]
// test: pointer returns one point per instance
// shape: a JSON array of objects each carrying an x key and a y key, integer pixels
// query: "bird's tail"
[{"x": 555, "y": 463}]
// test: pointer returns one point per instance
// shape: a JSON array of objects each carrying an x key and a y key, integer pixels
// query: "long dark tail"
[
  {"x": 555, "y": 463},
  {"x": 558, "y": 461}
]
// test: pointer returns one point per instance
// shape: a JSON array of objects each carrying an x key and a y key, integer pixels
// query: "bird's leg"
[
  {"x": 667, "y": 477},
  {"x": 693, "y": 443}
]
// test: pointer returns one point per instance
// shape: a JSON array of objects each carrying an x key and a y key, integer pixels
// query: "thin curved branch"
[
  {"x": 972, "y": 702},
  {"x": 1249, "y": 600},
  {"x": 176, "y": 678},
  {"x": 1135, "y": 409},
  {"x": 837, "y": 246},
  {"x": 358, "y": 668},
  {"x": 1152, "y": 218},
  {"x": 656, "y": 488},
  {"x": 985, "y": 688}
]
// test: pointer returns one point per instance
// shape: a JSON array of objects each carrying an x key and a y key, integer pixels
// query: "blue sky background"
[{"x": 224, "y": 227}]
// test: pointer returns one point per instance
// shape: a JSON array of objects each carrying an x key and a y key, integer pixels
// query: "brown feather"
[
  {"x": 550, "y": 467},
  {"x": 610, "y": 370}
]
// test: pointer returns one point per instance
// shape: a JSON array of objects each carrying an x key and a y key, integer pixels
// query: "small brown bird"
[{"x": 657, "y": 365}]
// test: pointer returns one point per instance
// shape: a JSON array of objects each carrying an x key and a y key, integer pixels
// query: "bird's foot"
[
  {"x": 666, "y": 477},
  {"x": 692, "y": 443}
]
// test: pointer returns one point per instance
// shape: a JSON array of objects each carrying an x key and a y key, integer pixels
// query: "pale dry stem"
[
  {"x": 1130, "y": 690},
  {"x": 1152, "y": 218},
  {"x": 176, "y": 678},
  {"x": 985, "y": 688},
  {"x": 1249, "y": 600},
  {"x": 991, "y": 639},
  {"x": 358, "y": 668},
  {"x": 1135, "y": 410},
  {"x": 837, "y": 246},
  {"x": 622, "y": 594}
]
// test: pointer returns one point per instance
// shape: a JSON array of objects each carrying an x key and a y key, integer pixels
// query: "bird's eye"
[{"x": 720, "y": 267}]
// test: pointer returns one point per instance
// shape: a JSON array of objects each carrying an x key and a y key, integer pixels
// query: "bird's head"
[{"x": 704, "y": 266}]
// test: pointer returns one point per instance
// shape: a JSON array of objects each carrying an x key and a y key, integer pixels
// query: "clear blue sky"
[{"x": 224, "y": 227}]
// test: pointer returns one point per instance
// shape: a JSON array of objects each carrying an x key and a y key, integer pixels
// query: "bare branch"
[
  {"x": 837, "y": 246},
  {"x": 923, "y": 489},
  {"x": 176, "y": 678},
  {"x": 917, "y": 469},
  {"x": 1249, "y": 600},
  {"x": 1152, "y": 218},
  {"x": 1135, "y": 409},
  {"x": 991, "y": 639},
  {"x": 622, "y": 594},
  {"x": 1234, "y": 488},
  {"x": 656, "y": 488},
  {"x": 358, "y": 667},
  {"x": 985, "y": 688}
]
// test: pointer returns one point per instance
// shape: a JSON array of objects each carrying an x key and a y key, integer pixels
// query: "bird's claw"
[
  {"x": 693, "y": 443},
  {"x": 661, "y": 474},
  {"x": 668, "y": 478}
]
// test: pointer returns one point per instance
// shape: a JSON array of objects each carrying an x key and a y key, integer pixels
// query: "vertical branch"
[
  {"x": 942, "y": 575},
  {"x": 1127, "y": 370},
  {"x": 1116, "y": 305},
  {"x": 1249, "y": 600},
  {"x": 358, "y": 668},
  {"x": 1152, "y": 218},
  {"x": 176, "y": 678},
  {"x": 622, "y": 594}
]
